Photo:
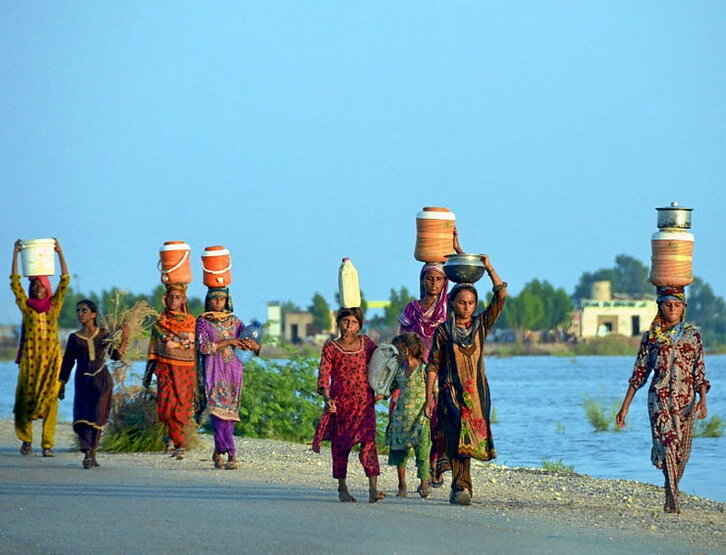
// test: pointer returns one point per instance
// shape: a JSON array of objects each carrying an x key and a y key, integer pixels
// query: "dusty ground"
[{"x": 583, "y": 502}]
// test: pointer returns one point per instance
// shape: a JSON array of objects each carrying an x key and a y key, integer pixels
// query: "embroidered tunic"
[
  {"x": 464, "y": 403},
  {"x": 221, "y": 372},
  {"x": 93, "y": 381}
]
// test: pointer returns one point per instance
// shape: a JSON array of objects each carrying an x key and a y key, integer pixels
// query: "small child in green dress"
[{"x": 409, "y": 428}]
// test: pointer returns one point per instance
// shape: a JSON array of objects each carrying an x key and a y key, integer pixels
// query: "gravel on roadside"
[{"x": 574, "y": 499}]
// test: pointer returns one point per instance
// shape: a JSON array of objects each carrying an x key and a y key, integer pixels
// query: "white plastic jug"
[
  {"x": 348, "y": 285},
  {"x": 38, "y": 257}
]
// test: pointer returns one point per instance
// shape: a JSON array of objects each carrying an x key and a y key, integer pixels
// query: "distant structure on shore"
[{"x": 607, "y": 313}]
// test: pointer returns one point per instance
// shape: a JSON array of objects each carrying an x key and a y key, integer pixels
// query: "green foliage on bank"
[
  {"x": 279, "y": 399},
  {"x": 557, "y": 466},
  {"x": 711, "y": 427}
]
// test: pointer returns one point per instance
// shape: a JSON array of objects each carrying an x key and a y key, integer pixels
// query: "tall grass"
[
  {"x": 713, "y": 427},
  {"x": 599, "y": 417}
]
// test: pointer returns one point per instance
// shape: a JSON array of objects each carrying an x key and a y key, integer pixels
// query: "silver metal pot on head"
[
  {"x": 674, "y": 217},
  {"x": 464, "y": 268}
]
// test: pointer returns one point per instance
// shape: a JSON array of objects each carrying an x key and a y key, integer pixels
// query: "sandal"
[
  {"x": 436, "y": 483},
  {"x": 231, "y": 464},
  {"x": 26, "y": 448},
  {"x": 178, "y": 454},
  {"x": 217, "y": 459},
  {"x": 87, "y": 461},
  {"x": 48, "y": 452}
]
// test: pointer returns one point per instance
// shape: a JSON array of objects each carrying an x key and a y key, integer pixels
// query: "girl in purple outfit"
[{"x": 220, "y": 371}]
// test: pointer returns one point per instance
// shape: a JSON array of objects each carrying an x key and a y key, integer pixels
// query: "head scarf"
[
  {"x": 671, "y": 294},
  {"x": 217, "y": 315},
  {"x": 414, "y": 318},
  {"x": 177, "y": 287},
  {"x": 40, "y": 305},
  {"x": 657, "y": 332}
]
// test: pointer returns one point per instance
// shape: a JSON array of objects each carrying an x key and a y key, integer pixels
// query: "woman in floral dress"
[
  {"x": 220, "y": 371},
  {"x": 349, "y": 417},
  {"x": 672, "y": 351},
  {"x": 457, "y": 362}
]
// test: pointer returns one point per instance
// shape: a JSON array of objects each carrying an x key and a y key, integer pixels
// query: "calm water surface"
[{"x": 539, "y": 404}]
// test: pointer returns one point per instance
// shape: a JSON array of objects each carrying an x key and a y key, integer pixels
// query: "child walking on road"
[{"x": 409, "y": 428}]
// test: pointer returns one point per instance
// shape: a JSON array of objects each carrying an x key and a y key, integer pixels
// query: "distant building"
[
  {"x": 274, "y": 320},
  {"x": 299, "y": 327},
  {"x": 607, "y": 313}
]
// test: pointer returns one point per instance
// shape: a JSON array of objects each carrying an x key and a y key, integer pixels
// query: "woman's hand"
[
  {"x": 330, "y": 405},
  {"x": 429, "y": 407},
  {"x": 487, "y": 263},
  {"x": 620, "y": 417},
  {"x": 18, "y": 246},
  {"x": 250, "y": 345},
  {"x": 457, "y": 246},
  {"x": 62, "y": 391},
  {"x": 700, "y": 409}
]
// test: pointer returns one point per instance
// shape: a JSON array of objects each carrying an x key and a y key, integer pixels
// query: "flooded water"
[{"x": 539, "y": 405}]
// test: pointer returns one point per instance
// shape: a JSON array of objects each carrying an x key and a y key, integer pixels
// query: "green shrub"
[
  {"x": 600, "y": 419},
  {"x": 557, "y": 466},
  {"x": 713, "y": 427},
  {"x": 279, "y": 399}
]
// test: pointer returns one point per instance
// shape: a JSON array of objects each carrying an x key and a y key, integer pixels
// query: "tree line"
[{"x": 539, "y": 306}]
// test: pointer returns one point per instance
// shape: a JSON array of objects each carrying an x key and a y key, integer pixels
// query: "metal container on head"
[
  {"x": 464, "y": 268},
  {"x": 674, "y": 217}
]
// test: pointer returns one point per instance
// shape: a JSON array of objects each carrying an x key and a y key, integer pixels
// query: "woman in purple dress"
[{"x": 220, "y": 371}]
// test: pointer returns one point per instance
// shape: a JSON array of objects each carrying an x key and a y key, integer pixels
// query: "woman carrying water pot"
[{"x": 672, "y": 351}]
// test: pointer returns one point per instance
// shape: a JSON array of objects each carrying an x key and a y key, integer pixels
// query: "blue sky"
[{"x": 296, "y": 133}]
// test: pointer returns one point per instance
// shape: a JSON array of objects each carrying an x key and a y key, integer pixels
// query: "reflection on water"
[{"x": 539, "y": 404}]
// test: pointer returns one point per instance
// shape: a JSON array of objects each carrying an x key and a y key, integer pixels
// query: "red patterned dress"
[
  {"x": 345, "y": 375},
  {"x": 678, "y": 369}
]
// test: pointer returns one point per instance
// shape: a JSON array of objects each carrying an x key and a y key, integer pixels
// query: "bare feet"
[
  {"x": 231, "y": 463},
  {"x": 345, "y": 496},
  {"x": 375, "y": 495},
  {"x": 217, "y": 459},
  {"x": 423, "y": 490},
  {"x": 402, "y": 490}
]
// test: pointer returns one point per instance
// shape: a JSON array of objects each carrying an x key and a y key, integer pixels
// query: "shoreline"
[{"x": 549, "y": 498}]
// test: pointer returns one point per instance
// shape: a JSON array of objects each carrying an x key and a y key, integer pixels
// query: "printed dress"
[
  {"x": 221, "y": 372},
  {"x": 678, "y": 372},
  {"x": 345, "y": 375},
  {"x": 172, "y": 347},
  {"x": 464, "y": 404},
  {"x": 40, "y": 357},
  {"x": 408, "y": 426}
]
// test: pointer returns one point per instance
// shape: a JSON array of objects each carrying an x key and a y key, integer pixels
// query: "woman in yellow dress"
[{"x": 39, "y": 354}]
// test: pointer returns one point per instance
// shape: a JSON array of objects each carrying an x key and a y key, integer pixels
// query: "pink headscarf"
[
  {"x": 41, "y": 305},
  {"x": 424, "y": 323}
]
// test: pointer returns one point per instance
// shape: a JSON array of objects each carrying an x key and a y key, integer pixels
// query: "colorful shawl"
[
  {"x": 172, "y": 338},
  {"x": 424, "y": 322}
]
